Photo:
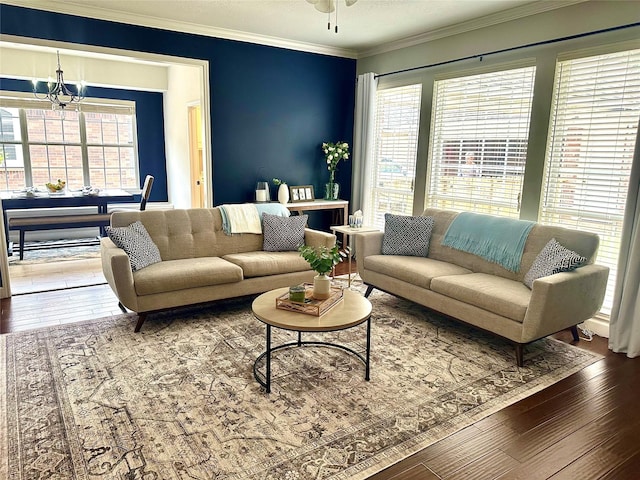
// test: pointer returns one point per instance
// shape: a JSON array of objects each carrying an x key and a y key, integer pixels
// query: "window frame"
[
  {"x": 24, "y": 101},
  {"x": 407, "y": 172},
  {"x": 482, "y": 170},
  {"x": 566, "y": 143}
]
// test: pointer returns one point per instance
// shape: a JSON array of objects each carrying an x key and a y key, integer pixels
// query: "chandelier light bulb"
[{"x": 58, "y": 93}]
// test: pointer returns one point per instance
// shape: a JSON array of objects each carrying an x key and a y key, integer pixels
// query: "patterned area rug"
[
  {"x": 56, "y": 251},
  {"x": 178, "y": 400}
]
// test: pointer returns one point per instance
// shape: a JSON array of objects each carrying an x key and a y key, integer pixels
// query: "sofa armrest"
[
  {"x": 316, "y": 238},
  {"x": 367, "y": 243},
  {"x": 565, "y": 299},
  {"x": 117, "y": 271}
]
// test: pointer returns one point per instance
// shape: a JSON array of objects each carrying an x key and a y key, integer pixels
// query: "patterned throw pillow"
[
  {"x": 554, "y": 258},
  {"x": 406, "y": 235},
  {"x": 137, "y": 243},
  {"x": 283, "y": 234}
]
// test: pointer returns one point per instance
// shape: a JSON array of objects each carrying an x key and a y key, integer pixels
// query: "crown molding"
[
  {"x": 100, "y": 13},
  {"x": 475, "y": 24},
  {"x": 178, "y": 26}
]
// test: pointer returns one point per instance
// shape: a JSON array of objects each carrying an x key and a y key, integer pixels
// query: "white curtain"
[
  {"x": 624, "y": 328},
  {"x": 363, "y": 140}
]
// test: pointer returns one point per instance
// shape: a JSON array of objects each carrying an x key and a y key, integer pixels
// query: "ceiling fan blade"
[
  {"x": 325, "y": 6},
  {"x": 312, "y": 1},
  {"x": 348, "y": 2}
]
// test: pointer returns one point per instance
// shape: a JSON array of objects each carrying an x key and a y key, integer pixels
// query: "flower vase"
[
  {"x": 331, "y": 191},
  {"x": 283, "y": 193},
  {"x": 321, "y": 287}
]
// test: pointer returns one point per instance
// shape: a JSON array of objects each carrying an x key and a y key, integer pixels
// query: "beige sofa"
[
  {"x": 200, "y": 262},
  {"x": 484, "y": 294}
]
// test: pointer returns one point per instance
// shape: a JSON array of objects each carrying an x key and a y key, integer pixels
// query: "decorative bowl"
[{"x": 56, "y": 187}]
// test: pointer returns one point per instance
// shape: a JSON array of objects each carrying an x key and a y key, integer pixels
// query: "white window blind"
[
  {"x": 396, "y": 147},
  {"x": 593, "y": 130},
  {"x": 480, "y": 126}
]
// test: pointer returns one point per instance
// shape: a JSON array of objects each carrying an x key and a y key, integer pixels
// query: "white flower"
[
  {"x": 345, "y": 156},
  {"x": 330, "y": 157}
]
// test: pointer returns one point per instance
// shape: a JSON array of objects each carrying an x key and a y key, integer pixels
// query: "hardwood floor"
[
  {"x": 586, "y": 426},
  {"x": 55, "y": 293}
]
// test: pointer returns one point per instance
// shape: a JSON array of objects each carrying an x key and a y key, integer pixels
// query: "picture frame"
[{"x": 301, "y": 193}]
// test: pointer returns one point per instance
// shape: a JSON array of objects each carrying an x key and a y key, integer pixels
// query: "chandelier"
[
  {"x": 58, "y": 93},
  {"x": 328, "y": 7}
]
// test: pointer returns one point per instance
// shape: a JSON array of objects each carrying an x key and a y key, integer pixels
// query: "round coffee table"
[{"x": 351, "y": 311}]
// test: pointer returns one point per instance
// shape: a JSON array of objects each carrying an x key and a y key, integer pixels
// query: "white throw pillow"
[
  {"x": 554, "y": 258},
  {"x": 137, "y": 243}
]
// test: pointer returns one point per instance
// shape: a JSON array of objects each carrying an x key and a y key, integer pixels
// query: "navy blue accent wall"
[
  {"x": 149, "y": 125},
  {"x": 271, "y": 108}
]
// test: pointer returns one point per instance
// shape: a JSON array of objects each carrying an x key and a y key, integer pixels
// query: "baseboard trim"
[{"x": 598, "y": 326}]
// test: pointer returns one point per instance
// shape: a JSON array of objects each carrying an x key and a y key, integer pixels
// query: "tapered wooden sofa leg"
[
  {"x": 122, "y": 307},
  {"x": 141, "y": 318},
  {"x": 520, "y": 354},
  {"x": 369, "y": 290},
  {"x": 574, "y": 332}
]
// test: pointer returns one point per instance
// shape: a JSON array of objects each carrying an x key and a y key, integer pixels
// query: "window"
[
  {"x": 10, "y": 148},
  {"x": 95, "y": 146},
  {"x": 478, "y": 146},
  {"x": 592, "y": 135},
  {"x": 396, "y": 147}
]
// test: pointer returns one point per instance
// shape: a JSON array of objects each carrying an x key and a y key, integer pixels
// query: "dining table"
[{"x": 33, "y": 199}]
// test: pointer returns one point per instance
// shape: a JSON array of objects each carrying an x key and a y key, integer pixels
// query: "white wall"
[
  {"x": 572, "y": 20},
  {"x": 105, "y": 72},
  {"x": 182, "y": 91}
]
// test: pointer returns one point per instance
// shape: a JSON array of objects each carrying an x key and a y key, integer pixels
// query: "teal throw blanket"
[
  {"x": 497, "y": 239},
  {"x": 272, "y": 209}
]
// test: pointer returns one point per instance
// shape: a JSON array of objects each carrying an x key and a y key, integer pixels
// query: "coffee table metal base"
[{"x": 266, "y": 383}]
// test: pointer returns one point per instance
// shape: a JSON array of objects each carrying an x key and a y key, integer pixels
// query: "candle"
[{"x": 261, "y": 195}]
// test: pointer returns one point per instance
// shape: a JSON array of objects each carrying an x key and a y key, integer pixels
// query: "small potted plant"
[{"x": 322, "y": 259}]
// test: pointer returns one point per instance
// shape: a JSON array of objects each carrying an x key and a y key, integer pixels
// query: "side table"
[{"x": 349, "y": 232}]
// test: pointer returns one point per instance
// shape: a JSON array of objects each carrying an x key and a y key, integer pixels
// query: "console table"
[{"x": 342, "y": 206}]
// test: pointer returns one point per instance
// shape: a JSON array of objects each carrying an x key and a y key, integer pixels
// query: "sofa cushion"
[
  {"x": 283, "y": 234},
  {"x": 258, "y": 264},
  {"x": 406, "y": 235},
  {"x": 172, "y": 275},
  {"x": 554, "y": 258},
  {"x": 417, "y": 271},
  {"x": 190, "y": 232},
  {"x": 137, "y": 243},
  {"x": 499, "y": 295}
]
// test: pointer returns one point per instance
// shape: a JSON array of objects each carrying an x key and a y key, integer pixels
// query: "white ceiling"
[{"x": 369, "y": 26}]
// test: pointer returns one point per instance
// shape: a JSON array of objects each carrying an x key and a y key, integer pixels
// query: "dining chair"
[
  {"x": 146, "y": 191},
  {"x": 144, "y": 196}
]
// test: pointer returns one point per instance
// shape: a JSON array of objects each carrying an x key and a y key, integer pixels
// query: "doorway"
[{"x": 195, "y": 156}]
